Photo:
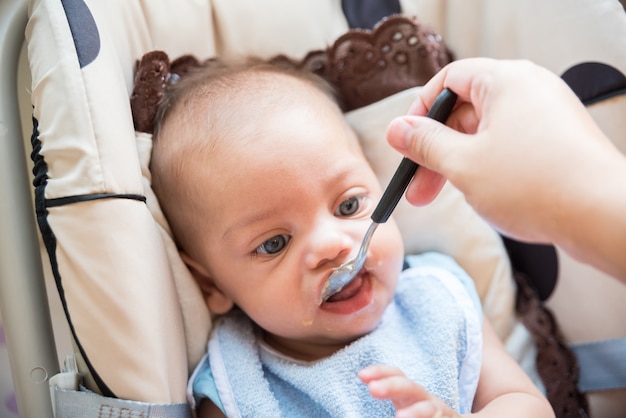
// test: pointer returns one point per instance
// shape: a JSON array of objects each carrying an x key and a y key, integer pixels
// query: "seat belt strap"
[{"x": 602, "y": 364}]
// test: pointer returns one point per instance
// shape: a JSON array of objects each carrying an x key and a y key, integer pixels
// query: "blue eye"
[
  {"x": 349, "y": 206},
  {"x": 273, "y": 245}
]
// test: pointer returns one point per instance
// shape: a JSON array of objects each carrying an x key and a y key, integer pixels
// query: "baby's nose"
[{"x": 329, "y": 244}]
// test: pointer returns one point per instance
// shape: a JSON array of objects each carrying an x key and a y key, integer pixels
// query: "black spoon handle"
[{"x": 441, "y": 109}]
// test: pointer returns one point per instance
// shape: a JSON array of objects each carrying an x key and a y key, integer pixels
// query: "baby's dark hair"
[{"x": 220, "y": 74}]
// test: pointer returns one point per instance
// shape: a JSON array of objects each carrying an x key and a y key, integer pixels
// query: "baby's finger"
[
  {"x": 426, "y": 409},
  {"x": 399, "y": 390},
  {"x": 378, "y": 372}
]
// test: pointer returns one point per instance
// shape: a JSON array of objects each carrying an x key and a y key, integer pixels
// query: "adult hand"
[{"x": 526, "y": 154}]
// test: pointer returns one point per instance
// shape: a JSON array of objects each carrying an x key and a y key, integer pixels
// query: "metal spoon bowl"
[{"x": 344, "y": 274}]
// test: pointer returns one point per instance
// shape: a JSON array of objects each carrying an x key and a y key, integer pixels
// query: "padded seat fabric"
[{"x": 135, "y": 313}]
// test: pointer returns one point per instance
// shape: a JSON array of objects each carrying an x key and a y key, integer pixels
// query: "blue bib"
[{"x": 431, "y": 331}]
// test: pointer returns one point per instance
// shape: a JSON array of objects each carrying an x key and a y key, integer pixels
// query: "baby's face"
[{"x": 286, "y": 206}]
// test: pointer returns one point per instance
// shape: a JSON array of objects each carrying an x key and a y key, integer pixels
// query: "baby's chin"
[{"x": 326, "y": 338}]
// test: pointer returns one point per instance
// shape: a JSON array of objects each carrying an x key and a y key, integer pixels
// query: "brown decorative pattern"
[
  {"x": 364, "y": 66},
  {"x": 556, "y": 363},
  {"x": 154, "y": 71}
]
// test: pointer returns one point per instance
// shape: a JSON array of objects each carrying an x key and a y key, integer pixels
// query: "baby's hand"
[{"x": 409, "y": 399}]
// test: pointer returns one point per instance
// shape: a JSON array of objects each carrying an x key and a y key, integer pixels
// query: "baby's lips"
[
  {"x": 355, "y": 296},
  {"x": 359, "y": 276},
  {"x": 323, "y": 286}
]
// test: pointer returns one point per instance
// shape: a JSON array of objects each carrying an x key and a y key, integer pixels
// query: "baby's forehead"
[
  {"x": 277, "y": 87},
  {"x": 260, "y": 92},
  {"x": 269, "y": 80},
  {"x": 235, "y": 109}
]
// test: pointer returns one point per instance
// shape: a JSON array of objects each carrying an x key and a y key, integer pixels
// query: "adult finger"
[
  {"x": 427, "y": 142},
  {"x": 468, "y": 78}
]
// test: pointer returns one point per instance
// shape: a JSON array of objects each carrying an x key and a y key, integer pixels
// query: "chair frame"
[{"x": 23, "y": 297}]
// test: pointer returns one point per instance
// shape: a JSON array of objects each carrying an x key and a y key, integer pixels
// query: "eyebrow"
[
  {"x": 259, "y": 216},
  {"x": 256, "y": 217}
]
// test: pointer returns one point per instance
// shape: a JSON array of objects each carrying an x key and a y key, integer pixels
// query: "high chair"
[{"x": 136, "y": 319}]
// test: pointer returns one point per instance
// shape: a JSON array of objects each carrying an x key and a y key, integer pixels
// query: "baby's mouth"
[
  {"x": 355, "y": 296},
  {"x": 348, "y": 291}
]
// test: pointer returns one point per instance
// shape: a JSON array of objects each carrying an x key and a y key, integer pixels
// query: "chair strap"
[
  {"x": 602, "y": 364},
  {"x": 86, "y": 404}
]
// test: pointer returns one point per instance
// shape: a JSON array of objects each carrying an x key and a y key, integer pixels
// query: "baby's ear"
[{"x": 216, "y": 300}]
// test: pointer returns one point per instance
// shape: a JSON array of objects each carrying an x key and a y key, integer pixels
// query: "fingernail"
[{"x": 399, "y": 134}]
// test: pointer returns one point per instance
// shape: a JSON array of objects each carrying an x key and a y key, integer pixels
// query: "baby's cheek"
[{"x": 393, "y": 249}]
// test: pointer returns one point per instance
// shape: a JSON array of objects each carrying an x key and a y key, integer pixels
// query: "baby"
[{"x": 267, "y": 190}]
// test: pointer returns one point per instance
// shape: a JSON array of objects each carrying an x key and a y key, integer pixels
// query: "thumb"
[{"x": 423, "y": 140}]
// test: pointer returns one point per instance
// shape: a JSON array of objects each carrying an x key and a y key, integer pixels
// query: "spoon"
[{"x": 345, "y": 273}]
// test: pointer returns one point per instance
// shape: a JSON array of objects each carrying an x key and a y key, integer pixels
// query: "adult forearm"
[{"x": 592, "y": 226}]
